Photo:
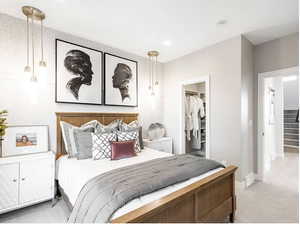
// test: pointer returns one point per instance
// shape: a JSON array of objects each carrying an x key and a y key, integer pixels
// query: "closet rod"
[{"x": 192, "y": 92}]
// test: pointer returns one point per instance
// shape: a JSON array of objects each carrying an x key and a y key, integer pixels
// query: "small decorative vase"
[{"x": 156, "y": 131}]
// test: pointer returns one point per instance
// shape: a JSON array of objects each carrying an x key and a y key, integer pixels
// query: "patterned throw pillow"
[
  {"x": 112, "y": 127},
  {"x": 67, "y": 133},
  {"x": 101, "y": 145},
  {"x": 133, "y": 126},
  {"x": 129, "y": 136},
  {"x": 130, "y": 126}
]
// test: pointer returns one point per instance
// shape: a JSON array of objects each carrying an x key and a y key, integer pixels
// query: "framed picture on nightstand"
[{"x": 20, "y": 140}]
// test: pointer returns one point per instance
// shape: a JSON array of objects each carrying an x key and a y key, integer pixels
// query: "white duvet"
[{"x": 73, "y": 174}]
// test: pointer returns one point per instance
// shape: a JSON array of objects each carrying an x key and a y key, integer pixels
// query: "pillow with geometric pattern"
[
  {"x": 109, "y": 128},
  {"x": 101, "y": 145},
  {"x": 133, "y": 126},
  {"x": 129, "y": 136}
]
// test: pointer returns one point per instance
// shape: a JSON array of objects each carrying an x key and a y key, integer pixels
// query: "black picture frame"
[
  {"x": 105, "y": 78},
  {"x": 101, "y": 92}
]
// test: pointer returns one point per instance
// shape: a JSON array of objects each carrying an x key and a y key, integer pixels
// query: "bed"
[{"x": 209, "y": 197}]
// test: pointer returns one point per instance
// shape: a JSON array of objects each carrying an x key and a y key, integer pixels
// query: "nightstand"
[
  {"x": 164, "y": 144},
  {"x": 26, "y": 180}
]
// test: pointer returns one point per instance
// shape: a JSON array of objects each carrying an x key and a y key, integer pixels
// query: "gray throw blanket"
[{"x": 108, "y": 192}]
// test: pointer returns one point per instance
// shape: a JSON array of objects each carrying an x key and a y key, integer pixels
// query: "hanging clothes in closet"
[
  {"x": 188, "y": 117},
  {"x": 194, "y": 111}
]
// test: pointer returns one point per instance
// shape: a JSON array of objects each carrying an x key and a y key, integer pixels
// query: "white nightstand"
[
  {"x": 26, "y": 180},
  {"x": 164, "y": 144}
]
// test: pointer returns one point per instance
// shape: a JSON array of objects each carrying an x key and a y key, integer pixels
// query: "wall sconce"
[
  {"x": 34, "y": 14},
  {"x": 153, "y": 82}
]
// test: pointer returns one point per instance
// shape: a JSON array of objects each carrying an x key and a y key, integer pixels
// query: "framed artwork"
[
  {"x": 20, "y": 140},
  {"x": 120, "y": 81},
  {"x": 78, "y": 74}
]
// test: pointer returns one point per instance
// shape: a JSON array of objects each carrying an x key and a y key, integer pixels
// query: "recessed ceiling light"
[
  {"x": 222, "y": 22},
  {"x": 167, "y": 43}
]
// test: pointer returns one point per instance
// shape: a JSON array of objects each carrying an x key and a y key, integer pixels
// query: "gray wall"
[
  {"x": 273, "y": 55},
  {"x": 29, "y": 104},
  {"x": 247, "y": 151},
  {"x": 222, "y": 62},
  {"x": 277, "y": 54}
]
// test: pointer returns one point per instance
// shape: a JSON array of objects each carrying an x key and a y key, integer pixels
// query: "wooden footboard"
[{"x": 211, "y": 199}]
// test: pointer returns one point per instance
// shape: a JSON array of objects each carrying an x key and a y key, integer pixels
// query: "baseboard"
[
  {"x": 249, "y": 179},
  {"x": 240, "y": 184},
  {"x": 258, "y": 177}
]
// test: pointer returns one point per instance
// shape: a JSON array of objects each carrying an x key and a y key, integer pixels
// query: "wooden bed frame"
[{"x": 211, "y": 199}]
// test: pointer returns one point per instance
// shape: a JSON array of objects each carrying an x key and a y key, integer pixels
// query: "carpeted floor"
[
  {"x": 273, "y": 201},
  {"x": 276, "y": 200}
]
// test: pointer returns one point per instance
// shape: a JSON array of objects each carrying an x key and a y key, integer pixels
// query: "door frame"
[
  {"x": 201, "y": 79},
  {"x": 260, "y": 117}
]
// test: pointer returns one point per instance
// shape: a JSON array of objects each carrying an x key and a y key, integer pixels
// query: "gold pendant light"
[
  {"x": 153, "y": 81},
  {"x": 34, "y": 14}
]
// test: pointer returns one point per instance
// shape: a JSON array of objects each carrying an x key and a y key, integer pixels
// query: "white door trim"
[
  {"x": 182, "y": 113},
  {"x": 260, "y": 118}
]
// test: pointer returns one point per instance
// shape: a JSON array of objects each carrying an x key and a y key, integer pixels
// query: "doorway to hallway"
[{"x": 278, "y": 129}]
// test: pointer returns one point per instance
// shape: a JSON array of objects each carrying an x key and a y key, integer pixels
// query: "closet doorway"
[{"x": 195, "y": 117}]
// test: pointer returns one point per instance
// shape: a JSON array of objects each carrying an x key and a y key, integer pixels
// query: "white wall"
[
  {"x": 291, "y": 94},
  {"x": 222, "y": 62},
  {"x": 29, "y": 105}
]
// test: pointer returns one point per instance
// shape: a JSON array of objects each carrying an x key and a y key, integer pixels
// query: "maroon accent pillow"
[{"x": 122, "y": 149}]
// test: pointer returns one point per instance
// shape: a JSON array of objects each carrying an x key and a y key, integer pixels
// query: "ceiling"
[{"x": 173, "y": 27}]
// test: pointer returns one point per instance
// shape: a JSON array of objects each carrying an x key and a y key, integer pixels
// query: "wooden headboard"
[{"x": 79, "y": 118}]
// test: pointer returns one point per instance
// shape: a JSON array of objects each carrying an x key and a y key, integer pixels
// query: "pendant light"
[
  {"x": 153, "y": 82},
  {"x": 34, "y": 14},
  {"x": 27, "y": 68},
  {"x": 42, "y": 64}
]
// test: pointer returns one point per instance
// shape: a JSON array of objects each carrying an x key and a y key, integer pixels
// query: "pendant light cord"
[
  {"x": 42, "y": 40},
  {"x": 32, "y": 30},
  {"x": 27, "y": 41}
]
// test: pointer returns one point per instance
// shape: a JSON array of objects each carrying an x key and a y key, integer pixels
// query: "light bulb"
[
  {"x": 33, "y": 78},
  {"x": 27, "y": 72},
  {"x": 42, "y": 68}
]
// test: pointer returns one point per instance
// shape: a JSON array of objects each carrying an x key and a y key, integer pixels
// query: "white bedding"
[{"x": 73, "y": 174}]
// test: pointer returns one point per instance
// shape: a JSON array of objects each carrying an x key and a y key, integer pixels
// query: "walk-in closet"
[{"x": 195, "y": 119}]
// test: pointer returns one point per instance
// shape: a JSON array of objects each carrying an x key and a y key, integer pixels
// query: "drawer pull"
[
  {"x": 14, "y": 180},
  {"x": 23, "y": 178}
]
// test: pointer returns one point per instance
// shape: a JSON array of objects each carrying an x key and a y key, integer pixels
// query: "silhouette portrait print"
[
  {"x": 121, "y": 78},
  {"x": 78, "y": 63}
]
